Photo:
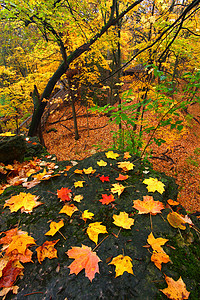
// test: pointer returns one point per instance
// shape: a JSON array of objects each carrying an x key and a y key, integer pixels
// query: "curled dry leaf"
[
  {"x": 46, "y": 250},
  {"x": 176, "y": 220},
  {"x": 122, "y": 177},
  {"x": 78, "y": 198},
  {"x": 10, "y": 273}
]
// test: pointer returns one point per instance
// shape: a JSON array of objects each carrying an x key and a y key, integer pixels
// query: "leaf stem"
[
  {"x": 62, "y": 234},
  {"x": 100, "y": 242}
]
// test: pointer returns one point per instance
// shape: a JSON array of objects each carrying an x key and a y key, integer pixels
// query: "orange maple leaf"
[
  {"x": 7, "y": 239},
  {"x": 122, "y": 177},
  {"x": 24, "y": 258},
  {"x": 47, "y": 250},
  {"x": 107, "y": 199},
  {"x": 86, "y": 259},
  {"x": 148, "y": 205},
  {"x": 20, "y": 242},
  {"x": 176, "y": 290},
  {"x": 159, "y": 257},
  {"x": 64, "y": 194},
  {"x": 24, "y": 201}
]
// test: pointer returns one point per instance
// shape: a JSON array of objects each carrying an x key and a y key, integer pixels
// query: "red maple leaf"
[
  {"x": 64, "y": 194},
  {"x": 104, "y": 178},
  {"x": 107, "y": 199}
]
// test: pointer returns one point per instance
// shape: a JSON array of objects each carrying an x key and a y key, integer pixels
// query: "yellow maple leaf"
[
  {"x": 24, "y": 201},
  {"x": 156, "y": 243},
  {"x": 90, "y": 170},
  {"x": 153, "y": 184},
  {"x": 117, "y": 188},
  {"x": 77, "y": 171},
  {"x": 94, "y": 229},
  {"x": 78, "y": 198},
  {"x": 102, "y": 163},
  {"x": 87, "y": 215},
  {"x": 79, "y": 183},
  {"x": 20, "y": 243},
  {"x": 40, "y": 176},
  {"x": 54, "y": 227},
  {"x": 122, "y": 264},
  {"x": 123, "y": 220},
  {"x": 176, "y": 289},
  {"x": 176, "y": 220},
  {"x": 125, "y": 165},
  {"x": 111, "y": 154},
  {"x": 68, "y": 209}
]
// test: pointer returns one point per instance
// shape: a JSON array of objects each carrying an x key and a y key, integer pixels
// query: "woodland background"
[{"x": 93, "y": 75}]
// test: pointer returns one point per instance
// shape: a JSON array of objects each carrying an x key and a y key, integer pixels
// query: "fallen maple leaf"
[
  {"x": 126, "y": 155},
  {"x": 148, "y": 205},
  {"x": 125, "y": 165},
  {"x": 153, "y": 184},
  {"x": 78, "y": 198},
  {"x": 64, "y": 194},
  {"x": 20, "y": 242},
  {"x": 117, "y": 188},
  {"x": 156, "y": 243},
  {"x": 10, "y": 273},
  {"x": 7, "y": 239},
  {"x": 54, "y": 227},
  {"x": 5, "y": 291},
  {"x": 104, "y": 178},
  {"x": 40, "y": 175},
  {"x": 86, "y": 259},
  {"x": 94, "y": 230},
  {"x": 23, "y": 201},
  {"x": 122, "y": 264},
  {"x": 176, "y": 220},
  {"x": 111, "y": 154},
  {"x": 159, "y": 257},
  {"x": 46, "y": 250},
  {"x": 102, "y": 163},
  {"x": 176, "y": 290},
  {"x": 87, "y": 215},
  {"x": 107, "y": 199},
  {"x": 90, "y": 170},
  {"x": 78, "y": 183},
  {"x": 3, "y": 262},
  {"x": 122, "y": 177},
  {"x": 172, "y": 202},
  {"x": 123, "y": 220},
  {"x": 8, "y": 133},
  {"x": 68, "y": 209},
  {"x": 77, "y": 171},
  {"x": 24, "y": 258}
]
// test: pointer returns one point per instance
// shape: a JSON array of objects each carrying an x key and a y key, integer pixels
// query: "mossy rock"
[
  {"x": 51, "y": 278},
  {"x": 12, "y": 148}
]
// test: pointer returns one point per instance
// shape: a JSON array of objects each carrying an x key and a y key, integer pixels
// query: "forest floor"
[{"x": 179, "y": 157}]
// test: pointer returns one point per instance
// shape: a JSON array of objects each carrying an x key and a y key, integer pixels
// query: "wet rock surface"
[{"x": 51, "y": 278}]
